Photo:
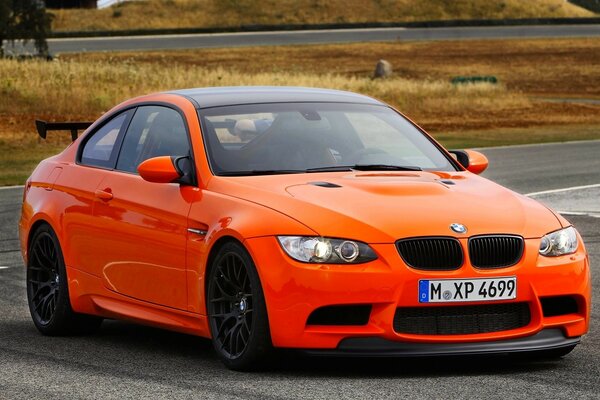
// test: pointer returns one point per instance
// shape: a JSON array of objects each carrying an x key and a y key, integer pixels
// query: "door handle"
[
  {"x": 199, "y": 232},
  {"x": 105, "y": 194}
]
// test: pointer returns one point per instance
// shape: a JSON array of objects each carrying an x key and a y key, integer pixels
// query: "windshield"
[{"x": 260, "y": 139}]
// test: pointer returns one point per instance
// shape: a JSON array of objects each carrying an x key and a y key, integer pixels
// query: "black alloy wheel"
[
  {"x": 236, "y": 310},
  {"x": 43, "y": 278},
  {"x": 47, "y": 289}
]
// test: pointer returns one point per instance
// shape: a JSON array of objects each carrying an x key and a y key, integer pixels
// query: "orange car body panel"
[{"x": 129, "y": 253}]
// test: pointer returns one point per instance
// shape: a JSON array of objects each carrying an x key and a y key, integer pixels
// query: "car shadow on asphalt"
[
  {"x": 409, "y": 367},
  {"x": 136, "y": 344}
]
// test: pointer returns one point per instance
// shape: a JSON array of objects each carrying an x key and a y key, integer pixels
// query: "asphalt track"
[
  {"x": 125, "y": 361},
  {"x": 192, "y": 41}
]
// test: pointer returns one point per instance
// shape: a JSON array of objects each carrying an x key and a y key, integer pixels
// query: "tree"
[{"x": 26, "y": 20}]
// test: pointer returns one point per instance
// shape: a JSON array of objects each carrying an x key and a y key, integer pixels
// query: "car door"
[
  {"x": 77, "y": 183},
  {"x": 143, "y": 226}
]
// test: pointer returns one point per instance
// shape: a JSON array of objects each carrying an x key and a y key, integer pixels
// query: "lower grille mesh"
[{"x": 461, "y": 320}]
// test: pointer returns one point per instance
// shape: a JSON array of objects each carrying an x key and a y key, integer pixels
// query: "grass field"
[
  {"x": 82, "y": 87},
  {"x": 234, "y": 13},
  {"x": 528, "y": 70}
]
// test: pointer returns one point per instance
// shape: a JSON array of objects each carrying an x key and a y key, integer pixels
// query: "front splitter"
[{"x": 548, "y": 339}]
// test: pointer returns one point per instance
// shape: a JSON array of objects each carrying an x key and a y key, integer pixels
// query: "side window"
[
  {"x": 100, "y": 150},
  {"x": 154, "y": 131}
]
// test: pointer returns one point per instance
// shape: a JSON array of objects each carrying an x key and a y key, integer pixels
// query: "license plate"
[{"x": 457, "y": 290}]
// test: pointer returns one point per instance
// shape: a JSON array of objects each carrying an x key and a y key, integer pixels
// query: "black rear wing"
[{"x": 43, "y": 127}]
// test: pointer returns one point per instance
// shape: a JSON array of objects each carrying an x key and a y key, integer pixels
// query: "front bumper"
[{"x": 293, "y": 290}]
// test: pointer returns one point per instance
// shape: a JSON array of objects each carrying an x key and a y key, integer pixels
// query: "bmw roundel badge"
[{"x": 458, "y": 228}]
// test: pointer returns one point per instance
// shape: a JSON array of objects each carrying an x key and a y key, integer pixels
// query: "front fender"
[
  {"x": 39, "y": 205},
  {"x": 226, "y": 217}
]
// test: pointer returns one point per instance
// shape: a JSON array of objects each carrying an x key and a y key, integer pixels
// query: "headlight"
[
  {"x": 559, "y": 243},
  {"x": 326, "y": 251}
]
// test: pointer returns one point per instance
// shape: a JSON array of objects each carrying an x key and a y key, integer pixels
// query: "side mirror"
[
  {"x": 472, "y": 160},
  {"x": 159, "y": 170},
  {"x": 167, "y": 169}
]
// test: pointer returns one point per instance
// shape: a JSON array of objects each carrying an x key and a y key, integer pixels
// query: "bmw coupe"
[{"x": 282, "y": 217}]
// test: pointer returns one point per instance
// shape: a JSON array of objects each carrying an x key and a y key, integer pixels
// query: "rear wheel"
[
  {"x": 47, "y": 289},
  {"x": 236, "y": 310}
]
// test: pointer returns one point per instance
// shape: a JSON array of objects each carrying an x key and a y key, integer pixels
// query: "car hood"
[{"x": 382, "y": 207}]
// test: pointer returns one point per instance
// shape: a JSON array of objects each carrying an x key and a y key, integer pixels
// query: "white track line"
[
  {"x": 568, "y": 189},
  {"x": 577, "y": 213},
  {"x": 2, "y": 267},
  {"x": 512, "y": 146},
  {"x": 11, "y": 187}
]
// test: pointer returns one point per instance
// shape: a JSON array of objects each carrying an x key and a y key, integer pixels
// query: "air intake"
[
  {"x": 347, "y": 314},
  {"x": 558, "y": 305},
  {"x": 431, "y": 253},
  {"x": 495, "y": 251},
  {"x": 461, "y": 320}
]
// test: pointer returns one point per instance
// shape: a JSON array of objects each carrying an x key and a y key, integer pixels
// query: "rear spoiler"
[{"x": 43, "y": 127}]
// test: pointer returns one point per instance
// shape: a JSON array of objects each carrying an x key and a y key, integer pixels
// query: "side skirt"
[{"x": 89, "y": 296}]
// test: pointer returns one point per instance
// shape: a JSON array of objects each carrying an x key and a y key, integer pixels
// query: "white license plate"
[{"x": 457, "y": 290}]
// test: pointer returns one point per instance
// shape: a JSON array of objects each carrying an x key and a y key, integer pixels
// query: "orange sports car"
[{"x": 320, "y": 220}]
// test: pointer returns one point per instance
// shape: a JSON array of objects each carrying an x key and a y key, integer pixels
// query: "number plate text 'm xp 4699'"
[{"x": 457, "y": 290}]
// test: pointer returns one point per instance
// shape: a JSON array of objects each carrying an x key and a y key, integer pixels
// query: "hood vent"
[
  {"x": 324, "y": 184},
  {"x": 447, "y": 182}
]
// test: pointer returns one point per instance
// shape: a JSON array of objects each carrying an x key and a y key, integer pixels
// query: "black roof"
[{"x": 233, "y": 95}]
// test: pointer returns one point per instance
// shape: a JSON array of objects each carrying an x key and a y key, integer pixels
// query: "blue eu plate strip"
[{"x": 424, "y": 291}]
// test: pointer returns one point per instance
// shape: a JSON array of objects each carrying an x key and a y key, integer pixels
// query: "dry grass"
[
  {"x": 82, "y": 87},
  {"x": 526, "y": 68},
  {"x": 234, "y": 13},
  {"x": 73, "y": 90},
  {"x": 536, "y": 66},
  {"x": 49, "y": 89}
]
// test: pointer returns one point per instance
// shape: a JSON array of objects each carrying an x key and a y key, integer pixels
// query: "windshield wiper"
[
  {"x": 261, "y": 172},
  {"x": 365, "y": 167},
  {"x": 334, "y": 168},
  {"x": 385, "y": 167}
]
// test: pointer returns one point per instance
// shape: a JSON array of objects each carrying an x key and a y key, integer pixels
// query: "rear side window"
[
  {"x": 154, "y": 131},
  {"x": 100, "y": 149}
]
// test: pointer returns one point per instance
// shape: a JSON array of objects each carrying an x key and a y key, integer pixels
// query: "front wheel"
[
  {"x": 48, "y": 291},
  {"x": 237, "y": 311}
]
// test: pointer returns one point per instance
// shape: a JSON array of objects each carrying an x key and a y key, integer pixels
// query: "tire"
[
  {"x": 237, "y": 312},
  {"x": 48, "y": 291}
]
